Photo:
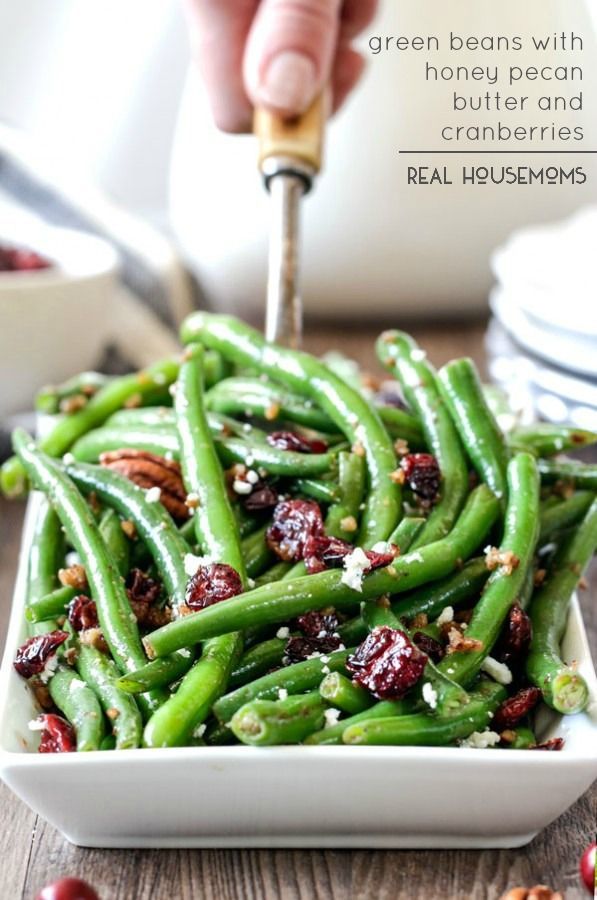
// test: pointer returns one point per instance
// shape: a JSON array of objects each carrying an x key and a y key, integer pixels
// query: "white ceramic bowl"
[
  {"x": 295, "y": 796},
  {"x": 53, "y": 322}
]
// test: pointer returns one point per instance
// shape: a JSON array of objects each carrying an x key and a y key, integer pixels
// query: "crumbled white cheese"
[
  {"x": 184, "y": 651},
  {"x": 331, "y": 717},
  {"x": 252, "y": 476},
  {"x": 383, "y": 547},
  {"x": 153, "y": 494},
  {"x": 416, "y": 557},
  {"x": 417, "y": 354},
  {"x": 497, "y": 670},
  {"x": 247, "y": 428},
  {"x": 325, "y": 670},
  {"x": 251, "y": 583},
  {"x": 49, "y": 668},
  {"x": 193, "y": 563},
  {"x": 250, "y": 459},
  {"x": 172, "y": 389},
  {"x": 72, "y": 559},
  {"x": 481, "y": 740},
  {"x": 446, "y": 615},
  {"x": 315, "y": 655},
  {"x": 241, "y": 487},
  {"x": 36, "y": 725},
  {"x": 430, "y": 695},
  {"x": 282, "y": 694},
  {"x": 283, "y": 632},
  {"x": 68, "y": 459},
  {"x": 355, "y": 565},
  {"x": 199, "y": 730},
  {"x": 76, "y": 685},
  {"x": 169, "y": 455},
  {"x": 325, "y": 659}
]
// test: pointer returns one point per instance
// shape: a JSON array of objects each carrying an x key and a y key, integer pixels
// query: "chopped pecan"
[
  {"x": 93, "y": 637},
  {"x": 459, "y": 643},
  {"x": 74, "y": 576},
  {"x": 150, "y": 471},
  {"x": 538, "y": 892},
  {"x": 504, "y": 559}
]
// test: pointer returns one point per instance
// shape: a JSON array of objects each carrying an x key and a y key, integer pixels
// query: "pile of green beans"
[{"x": 513, "y": 524}]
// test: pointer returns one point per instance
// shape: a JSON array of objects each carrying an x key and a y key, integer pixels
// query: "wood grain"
[{"x": 33, "y": 853}]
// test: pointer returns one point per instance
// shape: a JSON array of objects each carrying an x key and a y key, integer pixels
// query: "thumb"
[{"x": 290, "y": 52}]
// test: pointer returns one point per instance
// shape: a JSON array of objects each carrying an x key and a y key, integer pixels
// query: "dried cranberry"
[
  {"x": 57, "y": 736},
  {"x": 422, "y": 474},
  {"x": 515, "y": 637},
  {"x": 263, "y": 496},
  {"x": 301, "y": 648},
  {"x": 294, "y": 522},
  {"x": 387, "y": 663},
  {"x": 428, "y": 645},
  {"x": 82, "y": 613},
  {"x": 14, "y": 259},
  {"x": 141, "y": 588},
  {"x": 515, "y": 708},
  {"x": 317, "y": 624},
  {"x": 32, "y": 656},
  {"x": 68, "y": 889},
  {"x": 552, "y": 744},
  {"x": 290, "y": 440},
  {"x": 323, "y": 552},
  {"x": 211, "y": 584}
]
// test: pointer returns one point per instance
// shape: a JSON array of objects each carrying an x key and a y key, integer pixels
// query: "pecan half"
[
  {"x": 538, "y": 892},
  {"x": 148, "y": 471}
]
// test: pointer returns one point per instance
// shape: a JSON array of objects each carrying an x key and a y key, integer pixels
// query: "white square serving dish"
[{"x": 295, "y": 796}]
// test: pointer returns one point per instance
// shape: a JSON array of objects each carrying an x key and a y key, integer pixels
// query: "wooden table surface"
[{"x": 33, "y": 853}]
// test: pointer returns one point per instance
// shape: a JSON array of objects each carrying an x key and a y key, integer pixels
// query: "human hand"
[{"x": 275, "y": 53}]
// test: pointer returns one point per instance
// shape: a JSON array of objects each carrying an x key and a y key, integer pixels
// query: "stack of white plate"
[{"x": 542, "y": 340}]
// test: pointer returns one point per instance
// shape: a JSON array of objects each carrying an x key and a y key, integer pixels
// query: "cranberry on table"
[
  {"x": 68, "y": 889},
  {"x": 587, "y": 867}
]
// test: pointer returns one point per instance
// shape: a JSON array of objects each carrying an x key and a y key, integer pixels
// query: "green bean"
[
  {"x": 309, "y": 377},
  {"x": 407, "y": 532},
  {"x": 425, "y": 730},
  {"x": 383, "y": 709},
  {"x": 108, "y": 742},
  {"x": 157, "y": 673},
  {"x": 258, "y": 660},
  {"x": 457, "y": 588},
  {"x": 101, "y": 675},
  {"x": 564, "y": 514},
  {"x": 479, "y": 432},
  {"x": 256, "y": 553},
  {"x": 153, "y": 523},
  {"x": 174, "y": 723},
  {"x": 111, "y": 397},
  {"x": 400, "y": 424},
  {"x": 116, "y": 619},
  {"x": 295, "y": 679},
  {"x": 280, "y": 601},
  {"x": 163, "y": 441},
  {"x": 115, "y": 540},
  {"x": 322, "y": 491},
  {"x": 51, "y": 606},
  {"x": 275, "y": 573},
  {"x": 263, "y": 723},
  {"x": 343, "y": 514},
  {"x": 49, "y": 398},
  {"x": 339, "y": 691},
  {"x": 546, "y": 439},
  {"x": 217, "y": 533},
  {"x": 250, "y": 396},
  {"x": 45, "y": 557},
  {"x": 582, "y": 475},
  {"x": 563, "y": 688},
  {"x": 503, "y": 587},
  {"x": 80, "y": 706},
  {"x": 400, "y": 354}
]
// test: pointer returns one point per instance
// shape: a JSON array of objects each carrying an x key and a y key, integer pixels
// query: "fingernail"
[{"x": 289, "y": 82}]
